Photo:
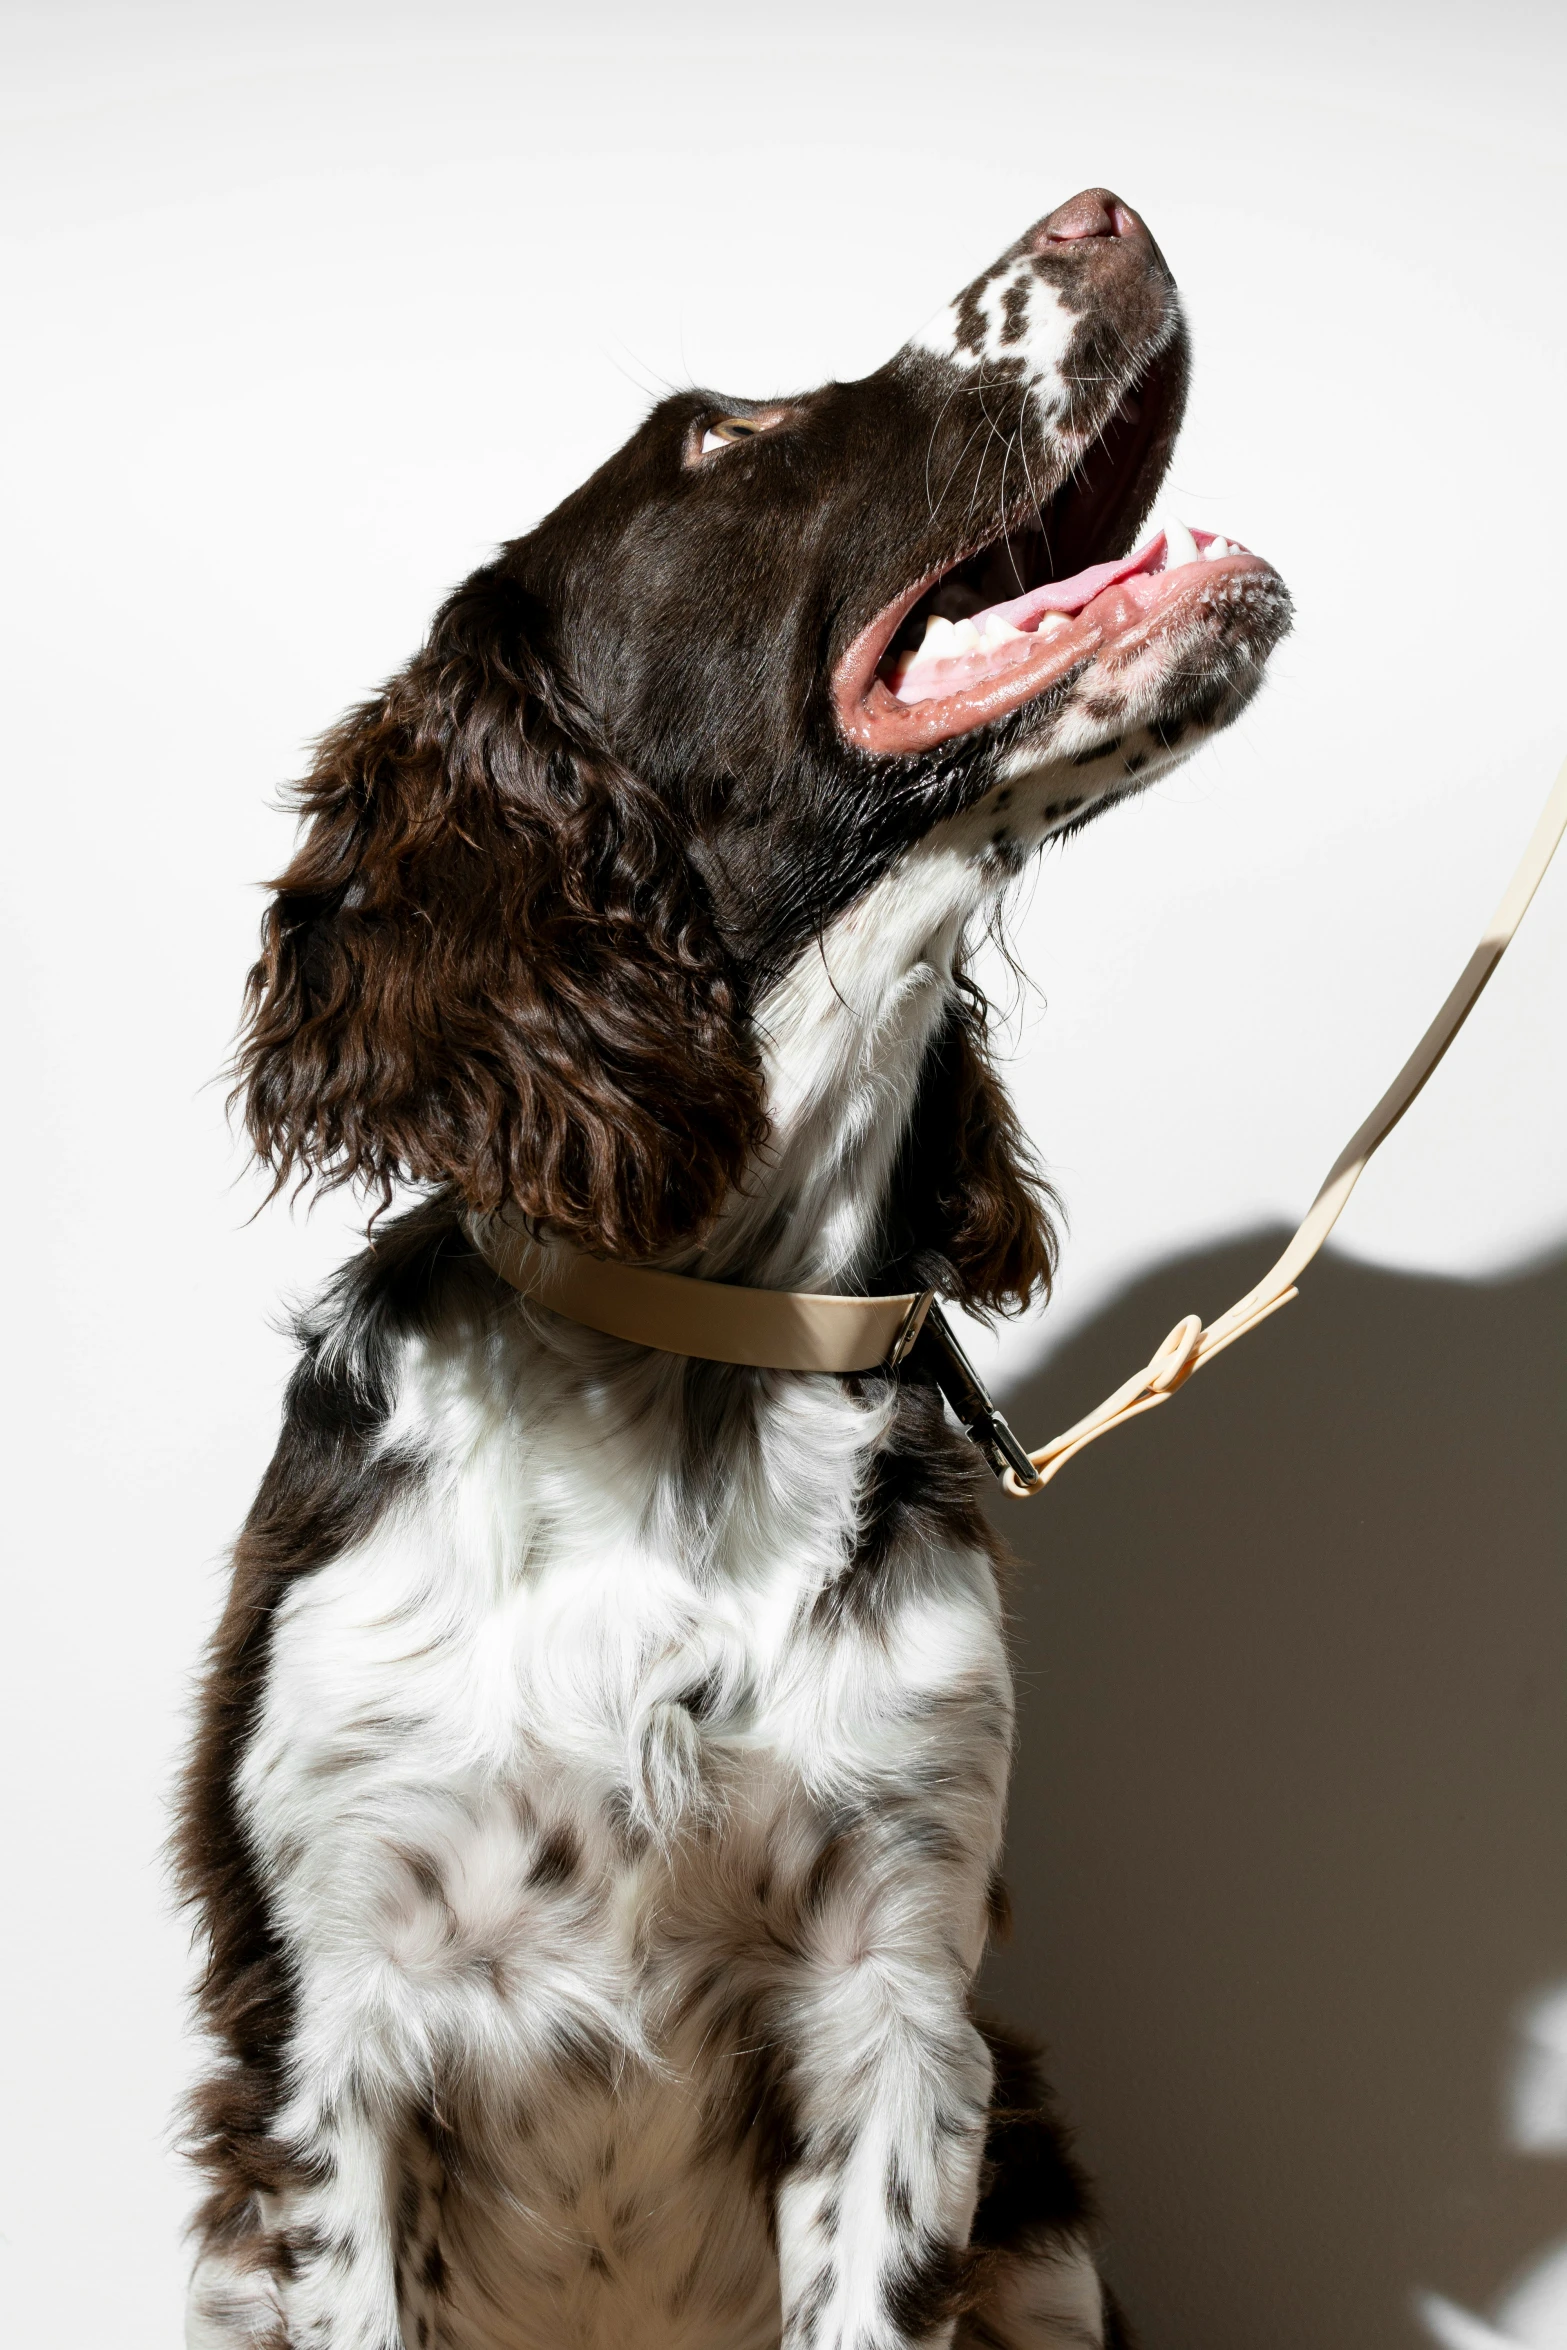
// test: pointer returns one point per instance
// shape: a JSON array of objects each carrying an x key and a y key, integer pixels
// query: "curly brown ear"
[
  {"x": 490, "y": 963},
  {"x": 974, "y": 1211}
]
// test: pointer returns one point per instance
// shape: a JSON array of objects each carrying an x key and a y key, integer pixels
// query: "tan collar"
[
  {"x": 791, "y": 1330},
  {"x": 771, "y": 1329}
]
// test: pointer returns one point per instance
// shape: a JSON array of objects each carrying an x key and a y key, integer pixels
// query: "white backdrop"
[{"x": 308, "y": 306}]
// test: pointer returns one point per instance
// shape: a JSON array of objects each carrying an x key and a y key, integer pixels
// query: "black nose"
[{"x": 1095, "y": 213}]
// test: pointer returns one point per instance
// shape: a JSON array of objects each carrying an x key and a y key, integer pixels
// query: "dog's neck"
[{"x": 843, "y": 1036}]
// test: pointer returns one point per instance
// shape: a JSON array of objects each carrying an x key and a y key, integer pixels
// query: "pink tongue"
[{"x": 1070, "y": 595}]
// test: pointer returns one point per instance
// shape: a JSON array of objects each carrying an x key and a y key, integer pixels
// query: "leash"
[
  {"x": 794, "y": 1330},
  {"x": 1189, "y": 1345}
]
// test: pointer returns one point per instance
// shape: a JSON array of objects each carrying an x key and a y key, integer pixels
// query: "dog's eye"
[
  {"x": 722, "y": 432},
  {"x": 725, "y": 429}
]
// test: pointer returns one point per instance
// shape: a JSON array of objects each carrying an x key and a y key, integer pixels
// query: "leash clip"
[{"x": 966, "y": 1392}]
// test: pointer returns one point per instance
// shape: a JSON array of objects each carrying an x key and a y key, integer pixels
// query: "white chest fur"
[{"x": 543, "y": 1787}]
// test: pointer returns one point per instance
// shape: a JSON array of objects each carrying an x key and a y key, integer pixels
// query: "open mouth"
[{"x": 965, "y": 647}]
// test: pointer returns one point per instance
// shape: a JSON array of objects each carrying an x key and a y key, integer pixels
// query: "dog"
[{"x": 595, "y": 1811}]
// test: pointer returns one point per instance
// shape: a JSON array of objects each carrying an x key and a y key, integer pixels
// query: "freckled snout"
[{"x": 1054, "y": 384}]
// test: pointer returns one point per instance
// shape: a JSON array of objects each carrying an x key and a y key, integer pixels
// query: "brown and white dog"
[{"x": 596, "y": 1809}]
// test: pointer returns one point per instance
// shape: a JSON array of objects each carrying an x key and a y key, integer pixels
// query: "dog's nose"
[{"x": 1094, "y": 213}]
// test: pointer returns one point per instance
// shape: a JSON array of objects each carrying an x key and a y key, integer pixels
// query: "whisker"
[
  {"x": 953, "y": 475},
  {"x": 930, "y": 447}
]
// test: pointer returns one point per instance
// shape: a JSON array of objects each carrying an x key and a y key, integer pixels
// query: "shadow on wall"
[{"x": 1289, "y": 1839}]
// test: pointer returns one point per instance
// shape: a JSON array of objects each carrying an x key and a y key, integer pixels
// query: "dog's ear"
[
  {"x": 490, "y": 963},
  {"x": 978, "y": 1221}
]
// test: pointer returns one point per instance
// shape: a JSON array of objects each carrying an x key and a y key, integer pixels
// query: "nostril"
[{"x": 1094, "y": 213}]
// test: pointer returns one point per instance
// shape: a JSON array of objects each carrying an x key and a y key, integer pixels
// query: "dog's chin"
[
  {"x": 1130, "y": 716},
  {"x": 1158, "y": 690}
]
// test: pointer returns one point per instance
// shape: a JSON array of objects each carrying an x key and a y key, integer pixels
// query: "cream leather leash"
[
  {"x": 1189, "y": 1345},
  {"x": 791, "y": 1330}
]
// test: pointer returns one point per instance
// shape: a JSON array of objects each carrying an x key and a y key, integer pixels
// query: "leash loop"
[{"x": 1176, "y": 1360}]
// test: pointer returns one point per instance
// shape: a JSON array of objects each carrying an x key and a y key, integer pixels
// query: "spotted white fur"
[{"x": 1012, "y": 314}]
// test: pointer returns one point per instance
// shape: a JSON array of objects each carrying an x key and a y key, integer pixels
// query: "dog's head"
[{"x": 650, "y": 752}]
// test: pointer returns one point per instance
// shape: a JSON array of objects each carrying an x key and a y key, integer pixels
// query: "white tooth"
[
  {"x": 1179, "y": 545},
  {"x": 1215, "y": 548},
  {"x": 938, "y": 645},
  {"x": 1052, "y": 623},
  {"x": 999, "y": 631},
  {"x": 965, "y": 637}
]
